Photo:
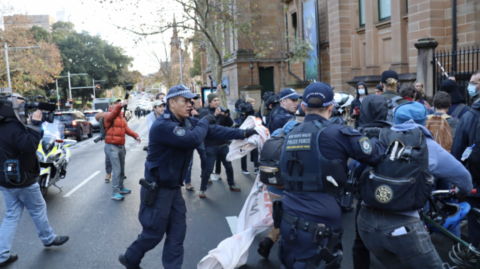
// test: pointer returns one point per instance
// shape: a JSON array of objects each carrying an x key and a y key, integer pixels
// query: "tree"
[
  {"x": 31, "y": 70},
  {"x": 196, "y": 70},
  {"x": 130, "y": 78},
  {"x": 84, "y": 53}
]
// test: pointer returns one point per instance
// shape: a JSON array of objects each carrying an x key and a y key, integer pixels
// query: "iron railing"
[{"x": 460, "y": 64}]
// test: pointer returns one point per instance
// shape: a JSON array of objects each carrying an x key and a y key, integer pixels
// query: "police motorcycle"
[
  {"x": 53, "y": 155},
  {"x": 343, "y": 100}
]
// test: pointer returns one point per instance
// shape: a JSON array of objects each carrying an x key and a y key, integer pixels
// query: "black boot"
[
  {"x": 12, "y": 258},
  {"x": 58, "y": 241},
  {"x": 123, "y": 261},
  {"x": 264, "y": 247}
]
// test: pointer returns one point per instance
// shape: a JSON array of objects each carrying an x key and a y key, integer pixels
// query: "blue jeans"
[
  {"x": 203, "y": 163},
  {"x": 15, "y": 200},
  {"x": 413, "y": 249},
  {"x": 214, "y": 153},
  {"x": 117, "y": 158},
  {"x": 167, "y": 216}
]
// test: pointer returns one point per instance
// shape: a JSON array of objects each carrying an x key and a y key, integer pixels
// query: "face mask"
[
  {"x": 361, "y": 91},
  {"x": 472, "y": 90}
]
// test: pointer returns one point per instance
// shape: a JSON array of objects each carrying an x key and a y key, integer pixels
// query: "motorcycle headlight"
[
  {"x": 51, "y": 158},
  {"x": 39, "y": 156}
]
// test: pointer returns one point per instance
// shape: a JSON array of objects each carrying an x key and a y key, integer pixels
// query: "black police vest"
[{"x": 303, "y": 167}]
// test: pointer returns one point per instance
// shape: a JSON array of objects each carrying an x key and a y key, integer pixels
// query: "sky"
[{"x": 103, "y": 18}]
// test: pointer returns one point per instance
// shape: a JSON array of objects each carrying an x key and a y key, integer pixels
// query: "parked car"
[
  {"x": 76, "y": 124},
  {"x": 90, "y": 115}
]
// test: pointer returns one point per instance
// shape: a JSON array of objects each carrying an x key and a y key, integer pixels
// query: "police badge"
[{"x": 179, "y": 131}]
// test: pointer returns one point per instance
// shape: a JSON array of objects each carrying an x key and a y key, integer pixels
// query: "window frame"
[
  {"x": 379, "y": 11},
  {"x": 360, "y": 9}
]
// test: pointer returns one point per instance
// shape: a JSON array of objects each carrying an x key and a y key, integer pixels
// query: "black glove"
[
  {"x": 211, "y": 119},
  {"x": 250, "y": 132}
]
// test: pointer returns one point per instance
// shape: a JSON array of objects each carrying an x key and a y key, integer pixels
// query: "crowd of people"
[{"x": 397, "y": 136}]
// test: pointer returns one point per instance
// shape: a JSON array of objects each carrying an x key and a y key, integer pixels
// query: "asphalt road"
[{"x": 100, "y": 228}]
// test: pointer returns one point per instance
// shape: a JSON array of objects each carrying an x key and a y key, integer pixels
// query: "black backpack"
[
  {"x": 103, "y": 132},
  {"x": 392, "y": 104},
  {"x": 402, "y": 181},
  {"x": 270, "y": 160}
]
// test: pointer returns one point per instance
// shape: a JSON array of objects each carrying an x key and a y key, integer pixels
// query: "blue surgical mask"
[
  {"x": 361, "y": 91},
  {"x": 472, "y": 90}
]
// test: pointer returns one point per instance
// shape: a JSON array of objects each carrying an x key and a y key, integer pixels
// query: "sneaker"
[
  {"x": 125, "y": 191},
  {"x": 257, "y": 170},
  {"x": 189, "y": 187},
  {"x": 245, "y": 172},
  {"x": 235, "y": 188},
  {"x": 58, "y": 241},
  {"x": 12, "y": 258},
  {"x": 265, "y": 246},
  {"x": 123, "y": 261},
  {"x": 117, "y": 196},
  {"x": 202, "y": 194},
  {"x": 210, "y": 181},
  {"x": 218, "y": 176},
  {"x": 108, "y": 177},
  {"x": 124, "y": 176}
]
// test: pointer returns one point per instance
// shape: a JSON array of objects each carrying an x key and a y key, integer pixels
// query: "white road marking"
[
  {"x": 232, "y": 222},
  {"x": 81, "y": 184}
]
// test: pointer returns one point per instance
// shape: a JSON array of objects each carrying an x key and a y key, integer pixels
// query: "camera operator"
[
  {"x": 216, "y": 149},
  {"x": 18, "y": 147}
]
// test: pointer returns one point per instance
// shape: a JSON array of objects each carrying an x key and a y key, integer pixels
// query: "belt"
[{"x": 319, "y": 230}]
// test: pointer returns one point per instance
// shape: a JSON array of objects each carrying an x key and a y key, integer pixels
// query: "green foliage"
[
  {"x": 301, "y": 52},
  {"x": 40, "y": 34},
  {"x": 196, "y": 70}
]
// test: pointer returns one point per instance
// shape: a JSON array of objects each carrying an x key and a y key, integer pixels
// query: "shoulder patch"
[
  {"x": 166, "y": 115},
  {"x": 365, "y": 145},
  {"x": 179, "y": 131},
  {"x": 350, "y": 131}
]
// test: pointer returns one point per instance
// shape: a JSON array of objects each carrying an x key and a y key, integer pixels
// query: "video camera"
[
  {"x": 11, "y": 110},
  {"x": 224, "y": 110}
]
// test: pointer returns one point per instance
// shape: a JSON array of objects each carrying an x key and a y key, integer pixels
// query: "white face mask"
[
  {"x": 361, "y": 91},
  {"x": 472, "y": 90}
]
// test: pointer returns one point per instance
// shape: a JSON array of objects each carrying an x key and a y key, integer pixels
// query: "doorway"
[{"x": 266, "y": 79}]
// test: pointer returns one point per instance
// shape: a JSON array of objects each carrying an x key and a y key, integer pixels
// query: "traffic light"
[
  {"x": 71, "y": 101},
  {"x": 97, "y": 86}
]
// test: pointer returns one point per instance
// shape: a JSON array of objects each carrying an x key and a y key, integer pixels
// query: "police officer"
[
  {"x": 313, "y": 167},
  {"x": 173, "y": 137},
  {"x": 285, "y": 112}
]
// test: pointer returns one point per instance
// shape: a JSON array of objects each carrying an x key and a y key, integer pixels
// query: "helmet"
[{"x": 450, "y": 215}]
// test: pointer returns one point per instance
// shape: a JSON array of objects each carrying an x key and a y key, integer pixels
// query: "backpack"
[
  {"x": 402, "y": 180},
  {"x": 441, "y": 131},
  {"x": 392, "y": 104},
  {"x": 103, "y": 132},
  {"x": 270, "y": 160},
  {"x": 458, "y": 110}
]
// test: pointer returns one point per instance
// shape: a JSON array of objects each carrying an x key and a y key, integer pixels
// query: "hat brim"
[
  {"x": 118, "y": 100},
  {"x": 189, "y": 95},
  {"x": 293, "y": 97}
]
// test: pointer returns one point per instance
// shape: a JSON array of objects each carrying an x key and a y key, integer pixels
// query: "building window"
[
  {"x": 361, "y": 12},
  {"x": 294, "y": 25},
  {"x": 384, "y": 10}
]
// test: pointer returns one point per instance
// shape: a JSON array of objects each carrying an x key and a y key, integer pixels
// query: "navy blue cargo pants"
[{"x": 167, "y": 216}]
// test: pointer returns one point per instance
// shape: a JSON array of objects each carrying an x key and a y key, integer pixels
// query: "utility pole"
[
  {"x": 69, "y": 87},
  {"x": 8, "y": 68},
  {"x": 58, "y": 96},
  {"x": 6, "y": 59}
]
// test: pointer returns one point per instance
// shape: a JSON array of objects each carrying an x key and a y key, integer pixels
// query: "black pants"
[
  {"x": 253, "y": 158},
  {"x": 473, "y": 225},
  {"x": 361, "y": 255},
  {"x": 218, "y": 167},
  {"x": 167, "y": 216}
]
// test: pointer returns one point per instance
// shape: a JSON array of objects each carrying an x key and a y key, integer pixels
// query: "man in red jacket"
[{"x": 117, "y": 127}]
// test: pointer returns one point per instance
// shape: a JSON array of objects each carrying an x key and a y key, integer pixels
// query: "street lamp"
[{"x": 251, "y": 69}]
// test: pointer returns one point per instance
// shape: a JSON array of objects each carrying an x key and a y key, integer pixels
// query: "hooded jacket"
[
  {"x": 449, "y": 86},
  {"x": 225, "y": 121},
  {"x": 373, "y": 112},
  {"x": 117, "y": 127},
  {"x": 466, "y": 131},
  {"x": 357, "y": 103}
]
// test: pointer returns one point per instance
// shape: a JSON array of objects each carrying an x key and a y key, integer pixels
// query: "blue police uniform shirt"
[
  {"x": 335, "y": 142},
  {"x": 171, "y": 145},
  {"x": 280, "y": 119}
]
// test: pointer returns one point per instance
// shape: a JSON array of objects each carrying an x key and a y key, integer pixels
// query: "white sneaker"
[{"x": 215, "y": 177}]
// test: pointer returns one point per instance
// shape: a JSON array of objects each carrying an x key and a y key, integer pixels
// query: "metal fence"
[{"x": 460, "y": 64}]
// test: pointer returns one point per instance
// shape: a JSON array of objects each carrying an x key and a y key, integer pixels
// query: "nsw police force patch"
[
  {"x": 179, "y": 131},
  {"x": 365, "y": 145}
]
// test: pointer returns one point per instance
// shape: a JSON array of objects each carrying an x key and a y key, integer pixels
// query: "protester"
[
  {"x": 466, "y": 137},
  {"x": 388, "y": 233},
  {"x": 420, "y": 97},
  {"x": 158, "y": 108},
  {"x": 474, "y": 87},
  {"x": 217, "y": 149},
  {"x": 389, "y": 85},
  {"x": 20, "y": 144},
  {"x": 441, "y": 103},
  {"x": 379, "y": 89},
  {"x": 246, "y": 110},
  {"x": 115, "y": 145},
  {"x": 362, "y": 91},
  {"x": 200, "y": 150},
  {"x": 458, "y": 107}
]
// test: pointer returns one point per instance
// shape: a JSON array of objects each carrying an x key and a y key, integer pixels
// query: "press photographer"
[{"x": 19, "y": 172}]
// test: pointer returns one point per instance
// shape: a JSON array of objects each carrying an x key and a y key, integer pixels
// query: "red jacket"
[{"x": 116, "y": 133}]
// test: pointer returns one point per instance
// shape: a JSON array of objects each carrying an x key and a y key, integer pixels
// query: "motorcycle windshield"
[{"x": 53, "y": 131}]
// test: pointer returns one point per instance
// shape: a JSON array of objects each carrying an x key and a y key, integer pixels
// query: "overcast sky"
[{"x": 96, "y": 18}]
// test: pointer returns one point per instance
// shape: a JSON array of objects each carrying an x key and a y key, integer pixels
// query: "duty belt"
[{"x": 319, "y": 230}]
